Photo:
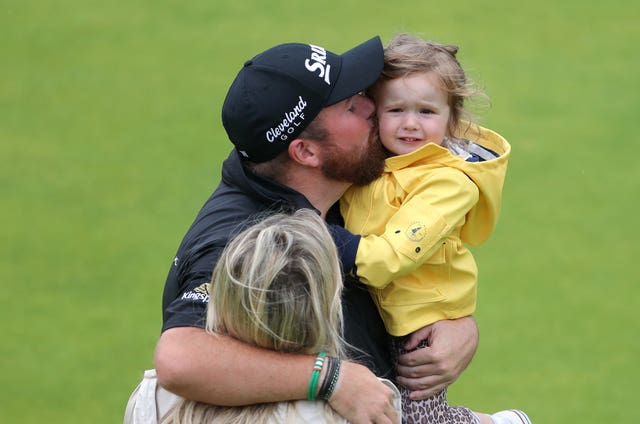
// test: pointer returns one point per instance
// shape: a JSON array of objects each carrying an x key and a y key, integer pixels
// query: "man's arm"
[
  {"x": 427, "y": 371},
  {"x": 223, "y": 371}
]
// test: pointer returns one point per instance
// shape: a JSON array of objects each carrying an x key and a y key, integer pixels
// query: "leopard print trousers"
[{"x": 433, "y": 410}]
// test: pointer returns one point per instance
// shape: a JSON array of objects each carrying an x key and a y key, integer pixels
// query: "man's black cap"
[{"x": 281, "y": 90}]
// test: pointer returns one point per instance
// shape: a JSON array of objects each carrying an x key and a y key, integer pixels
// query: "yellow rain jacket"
[{"x": 414, "y": 220}]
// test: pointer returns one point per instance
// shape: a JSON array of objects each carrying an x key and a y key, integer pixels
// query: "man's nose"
[{"x": 365, "y": 105}]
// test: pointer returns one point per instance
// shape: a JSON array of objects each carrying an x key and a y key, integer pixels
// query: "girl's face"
[{"x": 412, "y": 111}]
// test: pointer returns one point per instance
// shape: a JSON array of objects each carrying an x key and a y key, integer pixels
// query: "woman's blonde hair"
[
  {"x": 278, "y": 286},
  {"x": 406, "y": 55}
]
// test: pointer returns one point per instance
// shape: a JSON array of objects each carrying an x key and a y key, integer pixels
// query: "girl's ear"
[{"x": 305, "y": 152}]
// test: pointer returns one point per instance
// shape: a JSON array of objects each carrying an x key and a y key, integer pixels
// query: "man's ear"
[{"x": 305, "y": 152}]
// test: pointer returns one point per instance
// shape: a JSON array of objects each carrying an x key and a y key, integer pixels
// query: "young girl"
[
  {"x": 441, "y": 188},
  {"x": 278, "y": 286}
]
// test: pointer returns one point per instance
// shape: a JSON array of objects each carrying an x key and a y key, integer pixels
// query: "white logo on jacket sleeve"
[
  {"x": 318, "y": 62},
  {"x": 199, "y": 294}
]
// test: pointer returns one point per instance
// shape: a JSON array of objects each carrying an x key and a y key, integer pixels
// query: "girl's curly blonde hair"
[{"x": 406, "y": 55}]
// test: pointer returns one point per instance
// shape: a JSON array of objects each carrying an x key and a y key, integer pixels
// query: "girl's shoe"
[{"x": 512, "y": 416}]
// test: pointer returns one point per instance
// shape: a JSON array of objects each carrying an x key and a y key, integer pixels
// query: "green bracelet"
[{"x": 315, "y": 376}]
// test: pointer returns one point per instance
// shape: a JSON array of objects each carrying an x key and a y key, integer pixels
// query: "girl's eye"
[{"x": 426, "y": 111}]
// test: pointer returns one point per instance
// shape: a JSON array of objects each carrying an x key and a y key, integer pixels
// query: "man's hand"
[
  {"x": 361, "y": 398},
  {"x": 429, "y": 370}
]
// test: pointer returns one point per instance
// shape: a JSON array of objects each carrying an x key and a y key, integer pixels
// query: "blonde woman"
[{"x": 278, "y": 286}]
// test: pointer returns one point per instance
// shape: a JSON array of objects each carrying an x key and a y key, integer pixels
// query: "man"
[{"x": 302, "y": 136}]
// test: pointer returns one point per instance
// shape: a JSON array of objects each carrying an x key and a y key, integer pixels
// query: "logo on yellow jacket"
[{"x": 416, "y": 231}]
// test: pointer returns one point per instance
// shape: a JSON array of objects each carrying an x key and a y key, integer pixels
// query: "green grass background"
[{"x": 110, "y": 140}]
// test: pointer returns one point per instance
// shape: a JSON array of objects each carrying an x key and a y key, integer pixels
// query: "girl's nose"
[{"x": 409, "y": 122}]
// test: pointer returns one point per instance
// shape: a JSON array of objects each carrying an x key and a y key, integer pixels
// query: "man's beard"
[{"x": 357, "y": 170}]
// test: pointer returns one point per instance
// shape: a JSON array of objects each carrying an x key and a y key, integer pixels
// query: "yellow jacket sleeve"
[{"x": 433, "y": 209}]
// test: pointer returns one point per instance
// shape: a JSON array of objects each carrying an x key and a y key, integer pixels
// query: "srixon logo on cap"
[{"x": 318, "y": 62}]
